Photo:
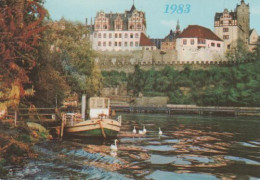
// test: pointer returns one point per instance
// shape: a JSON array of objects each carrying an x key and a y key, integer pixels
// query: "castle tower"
[
  {"x": 233, "y": 26},
  {"x": 178, "y": 28},
  {"x": 243, "y": 20}
]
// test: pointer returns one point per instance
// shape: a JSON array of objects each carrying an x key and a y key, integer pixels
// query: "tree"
[
  {"x": 20, "y": 28},
  {"x": 136, "y": 81},
  {"x": 66, "y": 54}
]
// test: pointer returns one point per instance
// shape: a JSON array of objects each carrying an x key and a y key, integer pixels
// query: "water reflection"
[{"x": 191, "y": 147}]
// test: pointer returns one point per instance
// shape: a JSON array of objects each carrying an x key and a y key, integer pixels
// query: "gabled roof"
[
  {"x": 196, "y": 31},
  {"x": 219, "y": 15},
  {"x": 145, "y": 41}
]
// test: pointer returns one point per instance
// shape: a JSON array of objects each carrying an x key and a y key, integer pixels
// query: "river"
[{"x": 191, "y": 147}]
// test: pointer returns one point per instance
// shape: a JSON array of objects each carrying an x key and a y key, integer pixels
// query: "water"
[{"x": 191, "y": 147}]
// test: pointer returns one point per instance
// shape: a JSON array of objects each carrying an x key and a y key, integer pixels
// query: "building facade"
[
  {"x": 233, "y": 26},
  {"x": 197, "y": 43},
  {"x": 118, "y": 32},
  {"x": 169, "y": 42}
]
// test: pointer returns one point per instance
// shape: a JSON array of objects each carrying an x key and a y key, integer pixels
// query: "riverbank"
[{"x": 16, "y": 144}]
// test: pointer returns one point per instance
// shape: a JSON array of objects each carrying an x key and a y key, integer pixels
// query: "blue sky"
[{"x": 159, "y": 23}]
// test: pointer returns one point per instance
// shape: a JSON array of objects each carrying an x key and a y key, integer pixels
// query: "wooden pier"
[{"x": 190, "y": 109}]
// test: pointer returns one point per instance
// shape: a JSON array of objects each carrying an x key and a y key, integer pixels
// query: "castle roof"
[
  {"x": 196, "y": 31},
  {"x": 157, "y": 42},
  {"x": 219, "y": 15},
  {"x": 145, "y": 41},
  {"x": 133, "y": 8},
  {"x": 171, "y": 36},
  {"x": 123, "y": 16}
]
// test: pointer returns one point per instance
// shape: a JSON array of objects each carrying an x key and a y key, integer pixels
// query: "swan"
[
  {"x": 113, "y": 147},
  {"x": 134, "y": 130},
  {"x": 141, "y": 132},
  {"x": 160, "y": 132},
  {"x": 144, "y": 130}
]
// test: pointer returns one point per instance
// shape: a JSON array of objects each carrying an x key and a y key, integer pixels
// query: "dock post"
[
  {"x": 15, "y": 117},
  {"x": 62, "y": 125}
]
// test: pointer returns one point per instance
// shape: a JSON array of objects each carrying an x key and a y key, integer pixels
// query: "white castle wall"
[{"x": 207, "y": 52}]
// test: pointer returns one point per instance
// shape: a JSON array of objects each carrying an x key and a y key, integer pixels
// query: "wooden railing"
[
  {"x": 39, "y": 115},
  {"x": 170, "y": 109}
]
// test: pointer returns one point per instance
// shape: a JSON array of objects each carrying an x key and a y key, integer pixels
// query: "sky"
[{"x": 159, "y": 19}]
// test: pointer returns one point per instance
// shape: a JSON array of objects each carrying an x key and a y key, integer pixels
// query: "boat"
[{"x": 99, "y": 124}]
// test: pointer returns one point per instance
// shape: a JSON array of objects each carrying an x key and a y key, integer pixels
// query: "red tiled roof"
[
  {"x": 196, "y": 31},
  {"x": 145, "y": 41}
]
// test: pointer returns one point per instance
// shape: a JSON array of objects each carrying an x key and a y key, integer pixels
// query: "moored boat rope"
[{"x": 102, "y": 129}]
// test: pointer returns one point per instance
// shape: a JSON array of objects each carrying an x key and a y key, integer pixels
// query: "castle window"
[
  {"x": 115, "y": 43},
  {"x": 136, "y": 35},
  {"x": 104, "y": 35},
  {"x": 136, "y": 44},
  {"x": 184, "y": 41},
  {"x": 119, "y": 44},
  {"x": 213, "y": 44},
  {"x": 110, "y": 44},
  {"x": 120, "y": 35},
  {"x": 228, "y": 46},
  {"x": 99, "y": 35},
  {"x": 104, "y": 44},
  {"x": 218, "y": 45},
  {"x": 131, "y": 44},
  {"x": 116, "y": 35},
  {"x": 105, "y": 27},
  {"x": 99, "y": 43},
  {"x": 117, "y": 26},
  {"x": 139, "y": 26},
  {"x": 225, "y": 29},
  {"x": 192, "y": 41},
  {"x": 126, "y": 35},
  {"x": 201, "y": 41},
  {"x": 125, "y": 44},
  {"x": 131, "y": 35},
  {"x": 226, "y": 37},
  {"x": 110, "y": 35}
]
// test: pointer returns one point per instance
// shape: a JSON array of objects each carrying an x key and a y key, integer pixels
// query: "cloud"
[{"x": 168, "y": 23}]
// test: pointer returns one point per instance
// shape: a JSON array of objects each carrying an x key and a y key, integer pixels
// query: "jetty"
[{"x": 189, "y": 109}]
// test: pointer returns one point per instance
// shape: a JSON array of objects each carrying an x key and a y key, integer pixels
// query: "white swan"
[
  {"x": 141, "y": 132},
  {"x": 113, "y": 147},
  {"x": 134, "y": 130},
  {"x": 160, "y": 132},
  {"x": 144, "y": 130}
]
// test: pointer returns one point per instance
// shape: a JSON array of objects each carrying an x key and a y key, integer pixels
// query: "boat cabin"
[{"x": 98, "y": 106}]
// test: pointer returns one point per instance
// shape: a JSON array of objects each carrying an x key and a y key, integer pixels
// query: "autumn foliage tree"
[{"x": 20, "y": 31}]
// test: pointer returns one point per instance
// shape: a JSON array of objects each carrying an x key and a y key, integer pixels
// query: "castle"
[
  {"x": 234, "y": 27},
  {"x": 116, "y": 35},
  {"x": 120, "y": 32}
]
